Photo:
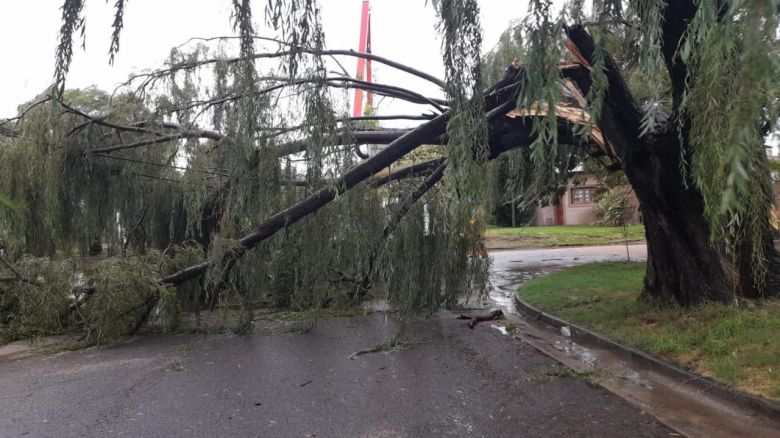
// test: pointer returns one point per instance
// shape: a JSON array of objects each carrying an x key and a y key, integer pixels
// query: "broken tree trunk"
[
  {"x": 498, "y": 104},
  {"x": 397, "y": 149},
  {"x": 684, "y": 265}
]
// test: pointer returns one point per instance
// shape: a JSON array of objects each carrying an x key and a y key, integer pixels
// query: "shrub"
[{"x": 612, "y": 209}]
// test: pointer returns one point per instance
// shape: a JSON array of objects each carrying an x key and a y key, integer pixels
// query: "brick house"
[{"x": 576, "y": 206}]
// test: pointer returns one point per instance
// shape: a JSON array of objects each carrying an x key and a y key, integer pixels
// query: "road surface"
[{"x": 456, "y": 382}]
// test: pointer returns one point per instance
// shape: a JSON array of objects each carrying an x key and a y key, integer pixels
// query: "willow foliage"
[
  {"x": 164, "y": 206},
  {"x": 731, "y": 100},
  {"x": 69, "y": 190}
]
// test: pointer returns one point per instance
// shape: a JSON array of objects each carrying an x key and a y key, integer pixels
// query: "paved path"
[{"x": 460, "y": 382}]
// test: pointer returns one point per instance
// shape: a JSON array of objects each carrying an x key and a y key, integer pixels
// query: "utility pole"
[{"x": 363, "y": 65}]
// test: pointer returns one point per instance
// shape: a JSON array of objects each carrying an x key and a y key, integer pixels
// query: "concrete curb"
[{"x": 705, "y": 384}]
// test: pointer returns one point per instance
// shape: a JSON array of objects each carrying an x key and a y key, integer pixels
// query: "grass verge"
[
  {"x": 564, "y": 235},
  {"x": 737, "y": 346}
]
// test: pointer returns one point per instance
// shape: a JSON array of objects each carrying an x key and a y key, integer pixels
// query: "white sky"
[{"x": 402, "y": 30}]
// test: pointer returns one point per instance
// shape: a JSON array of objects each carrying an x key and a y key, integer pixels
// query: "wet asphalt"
[
  {"x": 461, "y": 382},
  {"x": 455, "y": 382}
]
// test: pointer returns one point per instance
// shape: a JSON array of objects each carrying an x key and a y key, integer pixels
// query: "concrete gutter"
[{"x": 713, "y": 388}]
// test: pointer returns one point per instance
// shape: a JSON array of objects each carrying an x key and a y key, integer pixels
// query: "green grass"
[
  {"x": 564, "y": 235},
  {"x": 735, "y": 345}
]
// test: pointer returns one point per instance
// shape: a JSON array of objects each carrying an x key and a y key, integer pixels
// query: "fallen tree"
[{"x": 280, "y": 203}]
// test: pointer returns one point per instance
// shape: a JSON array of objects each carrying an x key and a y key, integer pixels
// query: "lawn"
[
  {"x": 735, "y": 346},
  {"x": 564, "y": 235}
]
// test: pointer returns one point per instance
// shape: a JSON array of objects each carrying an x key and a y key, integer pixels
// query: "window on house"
[{"x": 582, "y": 195}]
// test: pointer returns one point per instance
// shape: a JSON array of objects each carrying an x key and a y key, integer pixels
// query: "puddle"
[
  {"x": 572, "y": 349},
  {"x": 635, "y": 378},
  {"x": 504, "y": 285}
]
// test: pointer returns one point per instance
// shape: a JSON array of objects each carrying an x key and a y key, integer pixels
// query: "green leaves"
[
  {"x": 119, "y": 13},
  {"x": 731, "y": 88},
  {"x": 71, "y": 22}
]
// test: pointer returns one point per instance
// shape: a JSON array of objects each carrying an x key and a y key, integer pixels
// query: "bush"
[{"x": 613, "y": 209}]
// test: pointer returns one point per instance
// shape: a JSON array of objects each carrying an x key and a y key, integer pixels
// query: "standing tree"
[{"x": 684, "y": 105}]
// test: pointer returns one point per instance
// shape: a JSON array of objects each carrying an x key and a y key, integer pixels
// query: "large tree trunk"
[{"x": 683, "y": 264}]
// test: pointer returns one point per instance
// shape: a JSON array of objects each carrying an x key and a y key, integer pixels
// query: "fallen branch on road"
[{"x": 492, "y": 316}]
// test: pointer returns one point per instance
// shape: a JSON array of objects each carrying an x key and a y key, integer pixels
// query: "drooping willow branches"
[
  {"x": 199, "y": 154},
  {"x": 239, "y": 174}
]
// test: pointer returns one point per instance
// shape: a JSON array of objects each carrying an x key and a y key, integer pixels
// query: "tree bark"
[{"x": 684, "y": 265}]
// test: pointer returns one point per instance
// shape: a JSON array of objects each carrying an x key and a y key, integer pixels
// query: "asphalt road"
[{"x": 458, "y": 382}]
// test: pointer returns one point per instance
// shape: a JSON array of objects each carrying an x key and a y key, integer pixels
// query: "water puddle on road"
[
  {"x": 578, "y": 352},
  {"x": 504, "y": 285}
]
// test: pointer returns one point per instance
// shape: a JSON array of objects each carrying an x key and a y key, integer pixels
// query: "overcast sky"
[{"x": 402, "y": 30}]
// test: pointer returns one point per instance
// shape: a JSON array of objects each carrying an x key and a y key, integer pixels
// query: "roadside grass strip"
[
  {"x": 568, "y": 235},
  {"x": 735, "y": 345}
]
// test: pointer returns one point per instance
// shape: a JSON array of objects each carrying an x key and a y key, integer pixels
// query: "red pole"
[
  {"x": 357, "y": 109},
  {"x": 369, "y": 95}
]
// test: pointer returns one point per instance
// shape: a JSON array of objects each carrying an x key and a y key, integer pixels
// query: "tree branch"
[
  {"x": 384, "y": 136},
  {"x": 157, "y": 140},
  {"x": 677, "y": 16},
  {"x": 294, "y": 50},
  {"x": 390, "y": 91},
  {"x": 26, "y": 110},
  {"x": 390, "y": 117},
  {"x": 364, "y": 282},
  {"x": 498, "y": 103},
  {"x": 397, "y": 149},
  {"x": 620, "y": 117},
  {"x": 404, "y": 207},
  {"x": 403, "y": 172},
  {"x": 19, "y": 276}
]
